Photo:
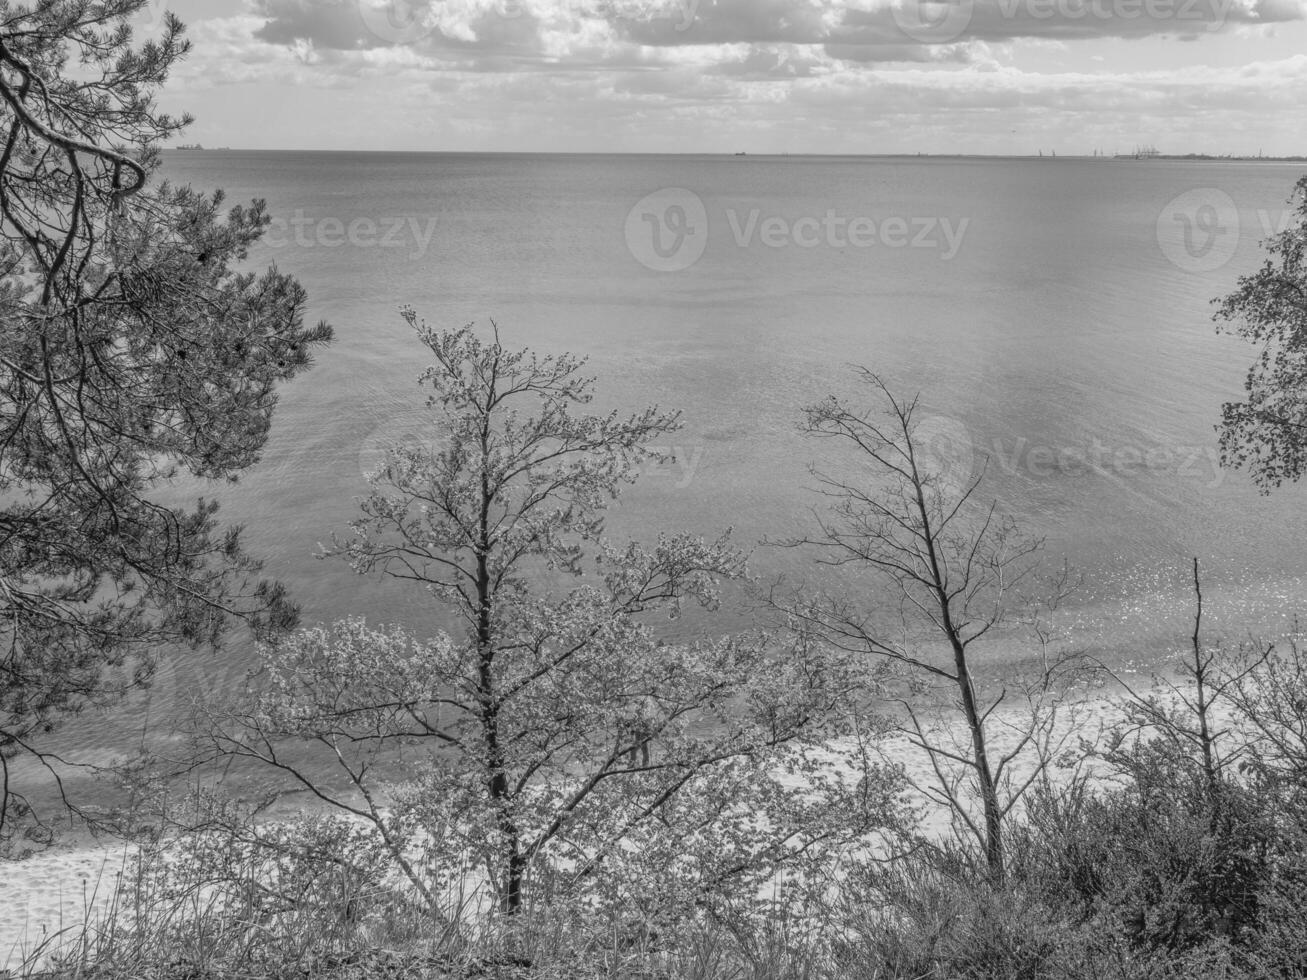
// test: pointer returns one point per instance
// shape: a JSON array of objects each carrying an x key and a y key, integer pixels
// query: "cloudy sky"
[{"x": 800, "y": 76}]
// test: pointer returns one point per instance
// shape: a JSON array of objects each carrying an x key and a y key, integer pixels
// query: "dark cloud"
[{"x": 328, "y": 25}]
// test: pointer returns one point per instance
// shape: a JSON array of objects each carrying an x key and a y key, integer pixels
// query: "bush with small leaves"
[
  {"x": 934, "y": 914},
  {"x": 1159, "y": 862}
]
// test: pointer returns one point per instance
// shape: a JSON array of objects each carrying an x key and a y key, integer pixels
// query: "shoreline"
[{"x": 74, "y": 882}]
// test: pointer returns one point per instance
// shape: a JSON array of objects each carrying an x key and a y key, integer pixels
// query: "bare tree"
[
  {"x": 956, "y": 573},
  {"x": 1187, "y": 712}
]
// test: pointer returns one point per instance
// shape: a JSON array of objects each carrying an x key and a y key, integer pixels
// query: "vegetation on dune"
[{"x": 1171, "y": 862}]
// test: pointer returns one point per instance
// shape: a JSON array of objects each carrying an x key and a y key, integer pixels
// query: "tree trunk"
[
  {"x": 993, "y": 838},
  {"x": 510, "y": 898},
  {"x": 1205, "y": 737},
  {"x": 993, "y": 842}
]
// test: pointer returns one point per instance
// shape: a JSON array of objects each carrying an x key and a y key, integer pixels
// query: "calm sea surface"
[{"x": 1056, "y": 332}]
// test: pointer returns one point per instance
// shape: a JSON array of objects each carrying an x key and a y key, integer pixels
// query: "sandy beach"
[
  {"x": 59, "y": 889},
  {"x": 49, "y": 895}
]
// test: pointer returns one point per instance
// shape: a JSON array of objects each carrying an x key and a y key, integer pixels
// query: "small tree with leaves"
[
  {"x": 955, "y": 573},
  {"x": 1267, "y": 431},
  {"x": 560, "y": 743}
]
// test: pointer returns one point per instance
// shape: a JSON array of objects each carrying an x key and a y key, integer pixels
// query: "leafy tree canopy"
[
  {"x": 131, "y": 351},
  {"x": 1267, "y": 431}
]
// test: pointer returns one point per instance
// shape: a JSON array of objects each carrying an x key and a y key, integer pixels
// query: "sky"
[{"x": 759, "y": 76}]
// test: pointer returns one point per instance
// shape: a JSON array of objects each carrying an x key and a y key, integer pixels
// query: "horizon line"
[{"x": 199, "y": 148}]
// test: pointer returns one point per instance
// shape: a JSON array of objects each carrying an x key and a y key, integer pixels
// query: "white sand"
[{"x": 50, "y": 895}]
